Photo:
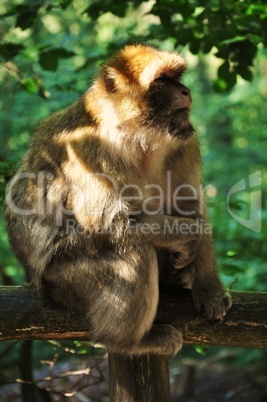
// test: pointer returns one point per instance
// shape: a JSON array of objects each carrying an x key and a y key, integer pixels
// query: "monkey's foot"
[
  {"x": 162, "y": 339},
  {"x": 214, "y": 305}
]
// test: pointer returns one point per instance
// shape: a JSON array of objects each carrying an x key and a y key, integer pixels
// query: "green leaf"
[
  {"x": 237, "y": 205},
  {"x": 231, "y": 253},
  {"x": 11, "y": 271},
  {"x": 7, "y": 168},
  {"x": 64, "y": 3},
  {"x": 26, "y": 20},
  {"x": 222, "y": 53},
  {"x": 201, "y": 349},
  {"x": 30, "y": 53},
  {"x": 223, "y": 70},
  {"x": 63, "y": 53},
  {"x": 26, "y": 14},
  {"x": 226, "y": 78},
  {"x": 256, "y": 39},
  {"x": 34, "y": 86},
  {"x": 18, "y": 9},
  {"x": 94, "y": 11},
  {"x": 233, "y": 40},
  {"x": 243, "y": 52},
  {"x": 195, "y": 46},
  {"x": 30, "y": 85},
  {"x": 206, "y": 47},
  {"x": 49, "y": 59},
  {"x": 10, "y": 50},
  {"x": 230, "y": 269},
  {"x": 245, "y": 72},
  {"x": 119, "y": 8},
  {"x": 220, "y": 85}
]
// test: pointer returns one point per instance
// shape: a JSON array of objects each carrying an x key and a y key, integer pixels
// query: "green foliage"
[
  {"x": 7, "y": 169},
  {"x": 234, "y": 29},
  {"x": 231, "y": 30},
  {"x": 233, "y": 140},
  {"x": 10, "y": 50},
  {"x": 97, "y": 8},
  {"x": 49, "y": 59}
]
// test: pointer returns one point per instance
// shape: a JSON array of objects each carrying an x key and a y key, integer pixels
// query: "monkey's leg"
[{"x": 118, "y": 296}]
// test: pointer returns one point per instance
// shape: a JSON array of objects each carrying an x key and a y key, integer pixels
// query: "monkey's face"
[
  {"x": 169, "y": 104},
  {"x": 143, "y": 85}
]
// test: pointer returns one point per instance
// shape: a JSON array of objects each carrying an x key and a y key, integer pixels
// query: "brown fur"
[{"x": 110, "y": 164}]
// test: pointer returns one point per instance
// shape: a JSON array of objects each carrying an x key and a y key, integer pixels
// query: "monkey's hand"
[{"x": 213, "y": 302}]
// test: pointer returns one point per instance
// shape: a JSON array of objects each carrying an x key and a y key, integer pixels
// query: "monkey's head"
[{"x": 144, "y": 85}]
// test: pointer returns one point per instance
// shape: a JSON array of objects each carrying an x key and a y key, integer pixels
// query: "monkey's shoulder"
[{"x": 73, "y": 117}]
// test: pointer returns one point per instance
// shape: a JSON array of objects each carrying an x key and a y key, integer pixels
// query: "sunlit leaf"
[
  {"x": 30, "y": 85},
  {"x": 233, "y": 40}
]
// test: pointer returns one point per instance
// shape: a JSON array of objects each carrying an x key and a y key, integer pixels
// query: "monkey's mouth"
[
  {"x": 180, "y": 125},
  {"x": 184, "y": 111},
  {"x": 176, "y": 121}
]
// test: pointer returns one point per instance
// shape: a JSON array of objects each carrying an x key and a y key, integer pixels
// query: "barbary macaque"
[{"x": 107, "y": 205}]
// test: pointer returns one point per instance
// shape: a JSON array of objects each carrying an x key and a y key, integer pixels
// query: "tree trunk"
[{"x": 142, "y": 378}]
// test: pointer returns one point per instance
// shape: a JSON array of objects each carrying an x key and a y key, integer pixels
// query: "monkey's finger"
[{"x": 212, "y": 307}]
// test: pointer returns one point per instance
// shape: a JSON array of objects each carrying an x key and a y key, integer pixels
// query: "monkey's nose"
[
  {"x": 184, "y": 97},
  {"x": 185, "y": 92}
]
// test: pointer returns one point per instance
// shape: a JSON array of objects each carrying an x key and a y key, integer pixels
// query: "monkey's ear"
[
  {"x": 109, "y": 80},
  {"x": 114, "y": 81}
]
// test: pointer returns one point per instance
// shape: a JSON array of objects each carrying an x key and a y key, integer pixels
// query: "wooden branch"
[{"x": 23, "y": 316}]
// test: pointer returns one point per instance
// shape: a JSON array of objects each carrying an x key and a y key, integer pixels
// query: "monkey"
[{"x": 107, "y": 205}]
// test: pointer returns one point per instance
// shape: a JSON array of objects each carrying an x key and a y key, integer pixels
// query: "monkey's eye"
[
  {"x": 167, "y": 77},
  {"x": 163, "y": 77}
]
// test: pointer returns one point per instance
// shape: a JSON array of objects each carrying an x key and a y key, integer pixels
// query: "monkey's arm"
[
  {"x": 208, "y": 292},
  {"x": 175, "y": 234}
]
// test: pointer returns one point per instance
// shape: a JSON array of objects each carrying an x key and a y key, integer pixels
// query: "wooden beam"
[
  {"x": 143, "y": 378},
  {"x": 24, "y": 316}
]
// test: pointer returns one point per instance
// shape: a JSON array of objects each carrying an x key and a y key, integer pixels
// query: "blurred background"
[{"x": 49, "y": 53}]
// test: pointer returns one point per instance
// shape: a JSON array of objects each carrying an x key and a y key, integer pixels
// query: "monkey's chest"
[{"x": 167, "y": 196}]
